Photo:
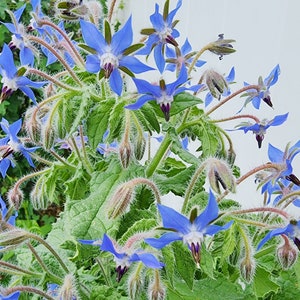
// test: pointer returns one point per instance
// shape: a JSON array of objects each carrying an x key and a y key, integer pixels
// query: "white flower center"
[
  {"x": 109, "y": 58},
  {"x": 163, "y": 34},
  {"x": 15, "y": 146},
  {"x": 164, "y": 99},
  {"x": 9, "y": 83},
  {"x": 194, "y": 236}
]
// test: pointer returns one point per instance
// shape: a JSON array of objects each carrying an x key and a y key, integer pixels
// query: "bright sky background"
[{"x": 267, "y": 33}]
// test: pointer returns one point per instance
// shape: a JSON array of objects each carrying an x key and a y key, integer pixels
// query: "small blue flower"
[
  {"x": 19, "y": 40},
  {"x": 228, "y": 80},
  {"x": 163, "y": 32},
  {"x": 255, "y": 96},
  {"x": 56, "y": 40},
  {"x": 181, "y": 57},
  {"x": 14, "y": 296},
  {"x": 111, "y": 54},
  {"x": 283, "y": 188},
  {"x": 125, "y": 256},
  {"x": 3, "y": 212},
  {"x": 191, "y": 232},
  {"x": 163, "y": 93},
  {"x": 283, "y": 162},
  {"x": 260, "y": 128},
  {"x": 292, "y": 230},
  {"x": 11, "y": 144},
  {"x": 13, "y": 81},
  {"x": 105, "y": 148}
]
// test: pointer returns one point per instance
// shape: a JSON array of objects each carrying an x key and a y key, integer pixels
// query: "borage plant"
[{"x": 88, "y": 139}]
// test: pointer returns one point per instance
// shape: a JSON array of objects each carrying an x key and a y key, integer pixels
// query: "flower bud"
[
  {"x": 222, "y": 46},
  {"x": 247, "y": 269},
  {"x": 287, "y": 254},
  {"x": 13, "y": 237},
  {"x": 156, "y": 291},
  {"x": 219, "y": 173},
  {"x": 120, "y": 200},
  {"x": 139, "y": 147},
  {"x": 32, "y": 125},
  {"x": 136, "y": 282},
  {"x": 68, "y": 289},
  {"x": 15, "y": 197},
  {"x": 38, "y": 195},
  {"x": 215, "y": 82},
  {"x": 231, "y": 155},
  {"x": 125, "y": 153},
  {"x": 48, "y": 136}
]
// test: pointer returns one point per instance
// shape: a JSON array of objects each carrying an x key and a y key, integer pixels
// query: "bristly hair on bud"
[
  {"x": 287, "y": 254},
  {"x": 219, "y": 173},
  {"x": 215, "y": 82},
  {"x": 15, "y": 197},
  {"x": 125, "y": 153},
  {"x": 68, "y": 289},
  {"x": 247, "y": 268},
  {"x": 136, "y": 281},
  {"x": 120, "y": 200},
  {"x": 156, "y": 290}
]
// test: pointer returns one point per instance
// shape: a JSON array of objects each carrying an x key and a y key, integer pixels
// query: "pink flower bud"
[
  {"x": 15, "y": 197},
  {"x": 287, "y": 254},
  {"x": 125, "y": 153},
  {"x": 247, "y": 268}
]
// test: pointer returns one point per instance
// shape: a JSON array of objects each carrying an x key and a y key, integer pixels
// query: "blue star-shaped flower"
[
  {"x": 11, "y": 144},
  {"x": 3, "y": 212},
  {"x": 162, "y": 93},
  {"x": 190, "y": 231},
  {"x": 283, "y": 162},
  {"x": 11, "y": 78},
  {"x": 228, "y": 79},
  {"x": 125, "y": 257},
  {"x": 259, "y": 129},
  {"x": 111, "y": 54},
  {"x": 181, "y": 57},
  {"x": 292, "y": 230},
  {"x": 19, "y": 37},
  {"x": 163, "y": 32},
  {"x": 255, "y": 96}
]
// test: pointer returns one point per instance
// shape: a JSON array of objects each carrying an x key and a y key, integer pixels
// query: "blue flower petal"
[
  {"x": 213, "y": 229},
  {"x": 148, "y": 259},
  {"x": 7, "y": 62},
  {"x": 278, "y": 120},
  {"x": 164, "y": 240},
  {"x": 92, "y": 36},
  {"x": 122, "y": 39},
  {"x": 108, "y": 246},
  {"x": 275, "y": 155},
  {"x": 92, "y": 64},
  {"x": 144, "y": 87},
  {"x": 134, "y": 65},
  {"x": 140, "y": 102},
  {"x": 159, "y": 58},
  {"x": 26, "y": 56},
  {"x": 173, "y": 219},
  {"x": 209, "y": 214},
  {"x": 116, "y": 82}
]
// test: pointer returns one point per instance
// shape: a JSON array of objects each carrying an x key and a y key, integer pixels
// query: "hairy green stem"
[{"x": 27, "y": 289}]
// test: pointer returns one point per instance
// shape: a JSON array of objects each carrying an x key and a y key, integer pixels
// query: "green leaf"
[
  {"x": 97, "y": 122},
  {"x": 185, "y": 264},
  {"x": 207, "y": 262},
  {"x": 262, "y": 283},
  {"x": 208, "y": 289},
  {"x": 147, "y": 116},
  {"x": 176, "y": 184},
  {"x": 168, "y": 259}
]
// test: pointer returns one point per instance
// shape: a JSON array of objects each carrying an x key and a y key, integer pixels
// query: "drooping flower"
[
  {"x": 218, "y": 85},
  {"x": 222, "y": 46},
  {"x": 191, "y": 231},
  {"x": 260, "y": 128},
  {"x": 162, "y": 33},
  {"x": 11, "y": 144},
  {"x": 163, "y": 93},
  {"x": 292, "y": 230},
  {"x": 111, "y": 53},
  {"x": 283, "y": 165},
  {"x": 13, "y": 79},
  {"x": 19, "y": 39},
  {"x": 125, "y": 256},
  {"x": 176, "y": 58},
  {"x": 255, "y": 96}
]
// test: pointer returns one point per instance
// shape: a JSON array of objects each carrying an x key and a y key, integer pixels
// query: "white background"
[{"x": 267, "y": 33}]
